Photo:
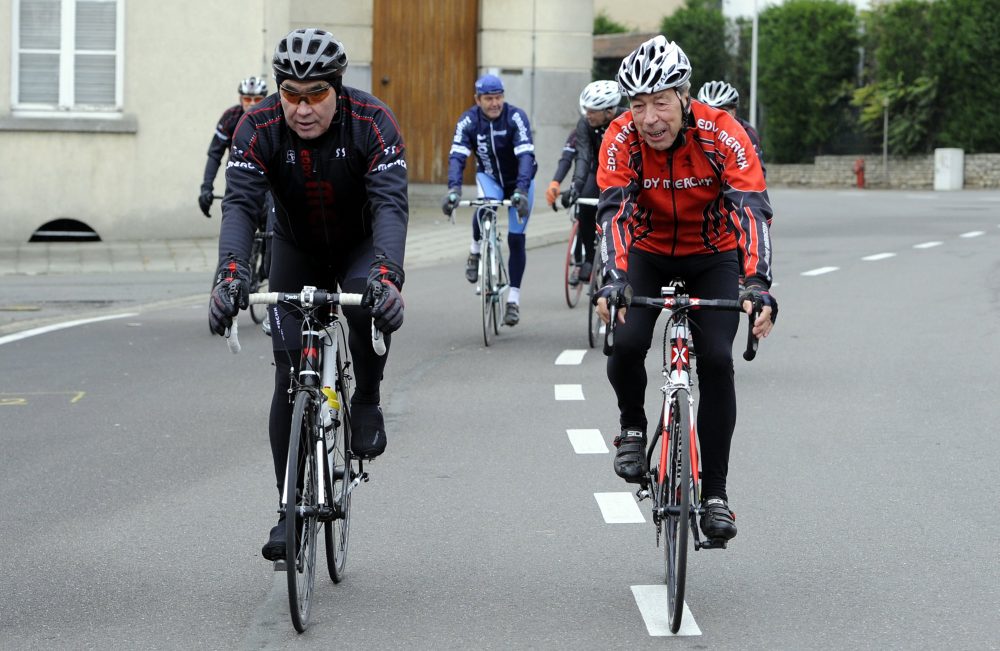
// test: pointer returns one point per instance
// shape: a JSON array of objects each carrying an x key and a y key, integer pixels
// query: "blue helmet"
[{"x": 489, "y": 85}]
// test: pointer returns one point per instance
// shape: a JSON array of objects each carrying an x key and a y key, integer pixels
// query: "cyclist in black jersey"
[
  {"x": 252, "y": 91},
  {"x": 332, "y": 157},
  {"x": 599, "y": 105},
  {"x": 723, "y": 95}
]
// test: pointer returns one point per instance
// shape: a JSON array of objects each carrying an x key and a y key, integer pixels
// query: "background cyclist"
[
  {"x": 680, "y": 199},
  {"x": 332, "y": 156},
  {"x": 598, "y": 106},
  {"x": 252, "y": 91},
  {"x": 500, "y": 136},
  {"x": 723, "y": 95}
]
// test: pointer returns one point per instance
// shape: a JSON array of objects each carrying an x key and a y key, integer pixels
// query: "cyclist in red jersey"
[{"x": 682, "y": 196}]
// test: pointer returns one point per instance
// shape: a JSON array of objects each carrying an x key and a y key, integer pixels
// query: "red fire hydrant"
[{"x": 859, "y": 171}]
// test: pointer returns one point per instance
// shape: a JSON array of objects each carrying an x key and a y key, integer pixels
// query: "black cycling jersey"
[
  {"x": 588, "y": 142},
  {"x": 331, "y": 192},
  {"x": 220, "y": 142},
  {"x": 567, "y": 158},
  {"x": 755, "y": 140}
]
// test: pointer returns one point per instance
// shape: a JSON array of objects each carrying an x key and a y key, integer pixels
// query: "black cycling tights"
[
  {"x": 586, "y": 218},
  {"x": 367, "y": 369},
  {"x": 706, "y": 276}
]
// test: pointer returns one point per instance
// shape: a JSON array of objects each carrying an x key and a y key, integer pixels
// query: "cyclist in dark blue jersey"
[
  {"x": 332, "y": 157},
  {"x": 499, "y": 135}
]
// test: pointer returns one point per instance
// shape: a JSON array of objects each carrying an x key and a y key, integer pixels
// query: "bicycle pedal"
[
  {"x": 714, "y": 543},
  {"x": 279, "y": 566},
  {"x": 642, "y": 494},
  {"x": 364, "y": 477}
]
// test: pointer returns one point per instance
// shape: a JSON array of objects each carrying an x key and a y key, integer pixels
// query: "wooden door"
[{"x": 424, "y": 68}]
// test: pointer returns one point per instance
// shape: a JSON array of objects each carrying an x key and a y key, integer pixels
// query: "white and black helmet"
[
  {"x": 655, "y": 65},
  {"x": 253, "y": 86},
  {"x": 718, "y": 94},
  {"x": 600, "y": 95},
  {"x": 309, "y": 54}
]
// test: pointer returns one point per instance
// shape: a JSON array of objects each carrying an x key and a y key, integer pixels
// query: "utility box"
[{"x": 949, "y": 169}]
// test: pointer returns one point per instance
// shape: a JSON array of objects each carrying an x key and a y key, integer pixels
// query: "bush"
[{"x": 700, "y": 29}]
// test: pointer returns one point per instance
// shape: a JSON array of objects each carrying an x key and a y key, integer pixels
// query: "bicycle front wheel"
[
  {"x": 300, "y": 511},
  {"x": 500, "y": 283},
  {"x": 574, "y": 258},
  {"x": 337, "y": 530},
  {"x": 487, "y": 290},
  {"x": 257, "y": 281},
  {"x": 593, "y": 320},
  {"x": 677, "y": 499}
]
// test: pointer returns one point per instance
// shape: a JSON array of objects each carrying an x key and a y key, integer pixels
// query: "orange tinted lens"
[
  {"x": 253, "y": 99},
  {"x": 310, "y": 97}
]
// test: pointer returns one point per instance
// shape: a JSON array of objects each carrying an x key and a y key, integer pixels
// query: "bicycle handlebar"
[
  {"x": 308, "y": 297},
  {"x": 483, "y": 202},
  {"x": 676, "y": 303}
]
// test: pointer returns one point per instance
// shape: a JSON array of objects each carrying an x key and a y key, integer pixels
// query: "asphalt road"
[{"x": 137, "y": 487}]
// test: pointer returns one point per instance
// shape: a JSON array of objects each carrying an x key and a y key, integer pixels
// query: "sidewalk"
[{"x": 431, "y": 239}]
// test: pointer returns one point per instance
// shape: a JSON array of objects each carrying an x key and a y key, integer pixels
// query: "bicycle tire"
[
  {"x": 300, "y": 514},
  {"x": 574, "y": 258},
  {"x": 677, "y": 494},
  {"x": 337, "y": 531},
  {"x": 593, "y": 320},
  {"x": 487, "y": 290},
  {"x": 500, "y": 282}
]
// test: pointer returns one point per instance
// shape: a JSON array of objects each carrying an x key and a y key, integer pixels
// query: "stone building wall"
[{"x": 911, "y": 172}]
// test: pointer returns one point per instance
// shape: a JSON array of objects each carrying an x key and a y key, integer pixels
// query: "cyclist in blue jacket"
[{"x": 500, "y": 136}]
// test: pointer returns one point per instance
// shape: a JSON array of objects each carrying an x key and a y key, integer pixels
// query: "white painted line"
[
  {"x": 619, "y": 508},
  {"x": 972, "y": 234},
  {"x": 921, "y": 196},
  {"x": 878, "y": 256},
  {"x": 820, "y": 271},
  {"x": 927, "y": 245},
  {"x": 569, "y": 392},
  {"x": 653, "y": 604},
  {"x": 570, "y": 357},
  {"x": 17, "y": 336},
  {"x": 587, "y": 441}
]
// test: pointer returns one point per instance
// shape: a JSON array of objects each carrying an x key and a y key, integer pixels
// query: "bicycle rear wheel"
[
  {"x": 677, "y": 499},
  {"x": 300, "y": 511},
  {"x": 500, "y": 282},
  {"x": 593, "y": 320},
  {"x": 337, "y": 530},
  {"x": 487, "y": 289},
  {"x": 574, "y": 258}
]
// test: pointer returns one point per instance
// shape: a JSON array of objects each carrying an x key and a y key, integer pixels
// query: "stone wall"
[{"x": 911, "y": 172}]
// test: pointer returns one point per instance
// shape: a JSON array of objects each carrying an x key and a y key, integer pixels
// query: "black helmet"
[{"x": 309, "y": 54}]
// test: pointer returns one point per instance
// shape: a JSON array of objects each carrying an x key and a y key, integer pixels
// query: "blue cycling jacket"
[{"x": 503, "y": 147}]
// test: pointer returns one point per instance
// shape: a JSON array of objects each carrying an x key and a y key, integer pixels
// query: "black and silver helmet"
[
  {"x": 253, "y": 86},
  {"x": 307, "y": 55},
  {"x": 718, "y": 94}
]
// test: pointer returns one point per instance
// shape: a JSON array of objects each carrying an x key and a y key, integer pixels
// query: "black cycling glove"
[
  {"x": 760, "y": 296},
  {"x": 230, "y": 295},
  {"x": 205, "y": 200},
  {"x": 382, "y": 295},
  {"x": 520, "y": 202},
  {"x": 450, "y": 201}
]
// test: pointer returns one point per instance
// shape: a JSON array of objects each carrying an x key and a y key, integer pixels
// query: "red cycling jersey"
[{"x": 706, "y": 194}]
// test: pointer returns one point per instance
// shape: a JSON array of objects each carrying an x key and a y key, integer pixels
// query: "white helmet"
[
  {"x": 253, "y": 86},
  {"x": 599, "y": 95},
  {"x": 655, "y": 65},
  {"x": 718, "y": 94}
]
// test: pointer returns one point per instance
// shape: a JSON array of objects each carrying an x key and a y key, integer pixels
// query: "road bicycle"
[
  {"x": 259, "y": 263},
  {"x": 673, "y": 480},
  {"x": 572, "y": 287},
  {"x": 493, "y": 281},
  {"x": 322, "y": 472}
]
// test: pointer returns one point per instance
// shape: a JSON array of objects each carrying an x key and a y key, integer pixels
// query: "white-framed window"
[{"x": 68, "y": 56}]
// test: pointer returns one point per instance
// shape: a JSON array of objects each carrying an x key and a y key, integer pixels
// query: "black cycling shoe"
[
  {"x": 513, "y": 315},
  {"x": 472, "y": 268},
  {"x": 367, "y": 431},
  {"x": 585, "y": 270},
  {"x": 630, "y": 461},
  {"x": 274, "y": 548},
  {"x": 717, "y": 521}
]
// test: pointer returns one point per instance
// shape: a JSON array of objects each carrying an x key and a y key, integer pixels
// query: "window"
[{"x": 68, "y": 56}]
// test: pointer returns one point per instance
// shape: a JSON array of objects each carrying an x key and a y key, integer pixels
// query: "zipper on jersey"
[
  {"x": 673, "y": 201},
  {"x": 496, "y": 157}
]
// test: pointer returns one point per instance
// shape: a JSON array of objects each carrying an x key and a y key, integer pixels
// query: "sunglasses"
[
  {"x": 309, "y": 97},
  {"x": 253, "y": 99}
]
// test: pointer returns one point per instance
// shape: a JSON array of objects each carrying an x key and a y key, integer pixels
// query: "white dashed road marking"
[
  {"x": 619, "y": 508},
  {"x": 652, "y": 601},
  {"x": 878, "y": 256},
  {"x": 972, "y": 234},
  {"x": 569, "y": 392},
  {"x": 820, "y": 271},
  {"x": 570, "y": 357},
  {"x": 927, "y": 245},
  {"x": 587, "y": 441}
]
